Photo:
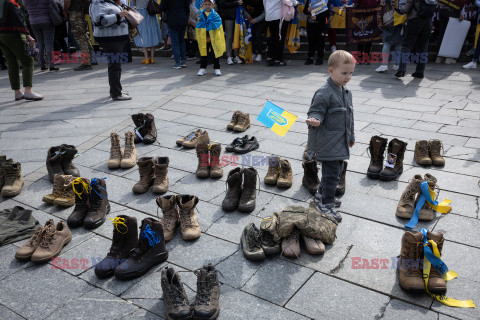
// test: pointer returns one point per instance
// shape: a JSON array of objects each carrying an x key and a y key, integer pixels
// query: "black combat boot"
[
  {"x": 150, "y": 129},
  {"x": 174, "y": 297},
  {"x": 234, "y": 191},
  {"x": 139, "y": 122},
  {"x": 208, "y": 294},
  {"x": 81, "y": 187},
  {"x": 310, "y": 176},
  {"x": 247, "y": 200},
  {"x": 377, "y": 152},
  {"x": 99, "y": 205},
  {"x": 68, "y": 152},
  {"x": 149, "y": 252},
  {"x": 124, "y": 241},
  {"x": 54, "y": 163},
  {"x": 394, "y": 164}
]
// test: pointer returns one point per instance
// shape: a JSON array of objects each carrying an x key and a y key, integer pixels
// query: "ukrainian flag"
[
  {"x": 339, "y": 17},
  {"x": 277, "y": 119},
  {"x": 242, "y": 36}
]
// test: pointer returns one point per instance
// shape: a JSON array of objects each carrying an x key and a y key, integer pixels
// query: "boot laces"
[
  {"x": 436, "y": 147},
  {"x": 148, "y": 238},
  {"x": 423, "y": 150},
  {"x": 129, "y": 146},
  {"x": 410, "y": 194},
  {"x": 176, "y": 295},
  {"x": 119, "y": 238},
  {"x": 186, "y": 220},
  {"x": 234, "y": 117},
  {"x": 254, "y": 240},
  {"x": 85, "y": 187},
  {"x": 204, "y": 287},
  {"x": 267, "y": 239},
  {"x": 10, "y": 177},
  {"x": 35, "y": 238},
  {"x": 48, "y": 238},
  {"x": 115, "y": 148},
  {"x": 372, "y": 150},
  {"x": 284, "y": 170},
  {"x": 96, "y": 198}
]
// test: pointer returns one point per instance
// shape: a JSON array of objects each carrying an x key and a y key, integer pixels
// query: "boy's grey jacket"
[
  {"x": 106, "y": 19},
  {"x": 333, "y": 107}
]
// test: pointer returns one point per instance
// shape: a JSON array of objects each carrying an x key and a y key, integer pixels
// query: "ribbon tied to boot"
[{"x": 152, "y": 237}]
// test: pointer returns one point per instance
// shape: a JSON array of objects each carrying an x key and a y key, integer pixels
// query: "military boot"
[
  {"x": 67, "y": 196},
  {"x": 377, "y": 153},
  {"x": 310, "y": 176},
  {"x": 188, "y": 219},
  {"x": 53, "y": 241},
  {"x": 394, "y": 166},
  {"x": 25, "y": 252},
  {"x": 147, "y": 175},
  {"x": 341, "y": 185},
  {"x": 243, "y": 122},
  {"x": 54, "y": 163},
  {"x": 406, "y": 205},
  {"x": 150, "y": 251},
  {"x": 216, "y": 170},
  {"x": 189, "y": 136},
  {"x": 13, "y": 180},
  {"x": 421, "y": 153},
  {"x": 203, "y": 168},
  {"x": 139, "y": 122},
  {"x": 3, "y": 162},
  {"x": 58, "y": 183},
  {"x": 129, "y": 158},
  {"x": 198, "y": 138},
  {"x": 81, "y": 188},
  {"x": 160, "y": 184},
  {"x": 116, "y": 153},
  {"x": 208, "y": 294},
  {"x": 251, "y": 243},
  {"x": 426, "y": 212},
  {"x": 291, "y": 245},
  {"x": 68, "y": 152},
  {"x": 99, "y": 206},
  {"x": 269, "y": 246},
  {"x": 436, "y": 282},
  {"x": 435, "y": 147},
  {"x": 273, "y": 170},
  {"x": 313, "y": 246},
  {"x": 248, "y": 197},
  {"x": 150, "y": 129},
  {"x": 410, "y": 264},
  {"x": 285, "y": 177},
  {"x": 234, "y": 191},
  {"x": 124, "y": 241},
  {"x": 170, "y": 217},
  {"x": 175, "y": 299},
  {"x": 234, "y": 120}
]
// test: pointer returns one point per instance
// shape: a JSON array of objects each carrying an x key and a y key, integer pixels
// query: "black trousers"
[
  {"x": 191, "y": 46},
  {"x": 331, "y": 171},
  {"x": 316, "y": 39},
  {"x": 204, "y": 59},
  {"x": 417, "y": 35},
  {"x": 257, "y": 37},
  {"x": 275, "y": 44},
  {"x": 112, "y": 50}
]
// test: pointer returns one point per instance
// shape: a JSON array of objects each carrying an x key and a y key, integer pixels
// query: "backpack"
[
  {"x": 426, "y": 8},
  {"x": 288, "y": 11}
]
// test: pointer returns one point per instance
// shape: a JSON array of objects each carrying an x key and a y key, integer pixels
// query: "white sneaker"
[
  {"x": 382, "y": 68},
  {"x": 395, "y": 67},
  {"x": 334, "y": 48},
  {"x": 258, "y": 58},
  {"x": 471, "y": 65},
  {"x": 237, "y": 60},
  {"x": 229, "y": 60},
  {"x": 217, "y": 72},
  {"x": 201, "y": 72},
  {"x": 450, "y": 61},
  {"x": 440, "y": 60}
]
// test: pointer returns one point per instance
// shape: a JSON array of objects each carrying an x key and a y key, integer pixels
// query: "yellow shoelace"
[
  {"x": 80, "y": 181},
  {"x": 119, "y": 221}
]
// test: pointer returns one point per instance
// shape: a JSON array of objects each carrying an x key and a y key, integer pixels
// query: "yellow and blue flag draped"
[
  {"x": 213, "y": 25},
  {"x": 339, "y": 17},
  {"x": 243, "y": 36},
  {"x": 277, "y": 119},
  {"x": 302, "y": 18},
  {"x": 292, "y": 40}
]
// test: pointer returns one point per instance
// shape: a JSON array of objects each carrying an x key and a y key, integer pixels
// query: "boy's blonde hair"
[{"x": 340, "y": 57}]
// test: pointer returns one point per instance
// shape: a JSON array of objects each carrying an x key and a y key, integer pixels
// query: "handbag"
[
  {"x": 153, "y": 8},
  {"x": 32, "y": 51},
  {"x": 134, "y": 18},
  {"x": 55, "y": 15}
]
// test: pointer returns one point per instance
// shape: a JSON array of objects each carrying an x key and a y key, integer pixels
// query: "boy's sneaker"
[
  {"x": 229, "y": 60},
  {"x": 201, "y": 72},
  {"x": 218, "y": 72},
  {"x": 237, "y": 60},
  {"x": 382, "y": 68},
  {"x": 208, "y": 294},
  {"x": 329, "y": 208},
  {"x": 471, "y": 65},
  {"x": 258, "y": 58}
]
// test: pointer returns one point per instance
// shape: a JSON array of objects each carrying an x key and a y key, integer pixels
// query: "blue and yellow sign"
[{"x": 277, "y": 119}]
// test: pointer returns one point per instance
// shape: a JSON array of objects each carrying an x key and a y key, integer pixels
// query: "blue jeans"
[
  {"x": 476, "y": 54},
  {"x": 178, "y": 44},
  {"x": 44, "y": 33}
]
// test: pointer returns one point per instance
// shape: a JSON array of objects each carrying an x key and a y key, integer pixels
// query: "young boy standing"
[{"x": 330, "y": 128}]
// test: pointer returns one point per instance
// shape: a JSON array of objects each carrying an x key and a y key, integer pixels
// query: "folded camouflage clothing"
[
  {"x": 309, "y": 221},
  {"x": 16, "y": 224}
]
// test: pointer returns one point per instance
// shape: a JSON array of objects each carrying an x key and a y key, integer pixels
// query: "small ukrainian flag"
[{"x": 277, "y": 119}]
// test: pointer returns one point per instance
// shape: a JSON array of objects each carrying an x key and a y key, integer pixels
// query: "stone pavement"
[{"x": 76, "y": 110}]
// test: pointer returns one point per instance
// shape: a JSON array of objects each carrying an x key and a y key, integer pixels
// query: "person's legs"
[
  {"x": 152, "y": 53},
  {"x": 386, "y": 52},
  {"x": 443, "y": 17},
  {"x": 311, "y": 40},
  {"x": 229, "y": 33},
  {"x": 49, "y": 36},
  {"x": 280, "y": 42},
  {"x": 2, "y": 59},
  {"x": 331, "y": 171},
  {"x": 37, "y": 29},
  {"x": 476, "y": 54},
  {"x": 411, "y": 35},
  {"x": 422, "y": 45},
  {"x": 79, "y": 29},
  {"x": 332, "y": 36},
  {"x": 13, "y": 46},
  {"x": 181, "y": 46},
  {"x": 113, "y": 51},
  {"x": 273, "y": 27},
  {"x": 320, "y": 38},
  {"x": 174, "y": 36},
  {"x": 257, "y": 33},
  {"x": 145, "y": 53}
]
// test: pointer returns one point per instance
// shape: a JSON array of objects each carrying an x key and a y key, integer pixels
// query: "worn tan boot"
[
  {"x": 116, "y": 152},
  {"x": 273, "y": 170},
  {"x": 147, "y": 175},
  {"x": 129, "y": 158},
  {"x": 411, "y": 259},
  {"x": 188, "y": 219},
  {"x": 436, "y": 283},
  {"x": 55, "y": 238},
  {"x": 189, "y": 136},
  {"x": 291, "y": 245},
  {"x": 243, "y": 122},
  {"x": 203, "y": 168},
  {"x": 421, "y": 153},
  {"x": 3, "y": 162},
  {"x": 58, "y": 182},
  {"x": 406, "y": 205},
  {"x": 216, "y": 170},
  {"x": 435, "y": 147},
  {"x": 313, "y": 246},
  {"x": 199, "y": 138},
  {"x": 160, "y": 184},
  {"x": 285, "y": 174},
  {"x": 427, "y": 213},
  {"x": 13, "y": 180},
  {"x": 234, "y": 120},
  {"x": 170, "y": 217},
  {"x": 67, "y": 196},
  {"x": 24, "y": 253}
]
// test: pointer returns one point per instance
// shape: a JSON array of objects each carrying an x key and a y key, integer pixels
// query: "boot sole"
[
  {"x": 158, "y": 260},
  {"x": 246, "y": 209},
  {"x": 241, "y": 130},
  {"x": 372, "y": 175},
  {"x": 12, "y": 193},
  {"x": 243, "y": 151},
  {"x": 215, "y": 316},
  {"x": 65, "y": 242},
  {"x": 390, "y": 178},
  {"x": 98, "y": 223}
]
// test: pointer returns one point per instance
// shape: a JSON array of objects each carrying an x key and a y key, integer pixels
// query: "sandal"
[
  {"x": 34, "y": 96},
  {"x": 19, "y": 96}
]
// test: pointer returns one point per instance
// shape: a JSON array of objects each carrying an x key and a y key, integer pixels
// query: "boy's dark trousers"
[
  {"x": 191, "y": 46},
  {"x": 417, "y": 34},
  {"x": 316, "y": 39},
  {"x": 331, "y": 171},
  {"x": 204, "y": 59}
]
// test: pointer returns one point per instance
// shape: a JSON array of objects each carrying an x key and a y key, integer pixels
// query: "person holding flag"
[{"x": 317, "y": 15}]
